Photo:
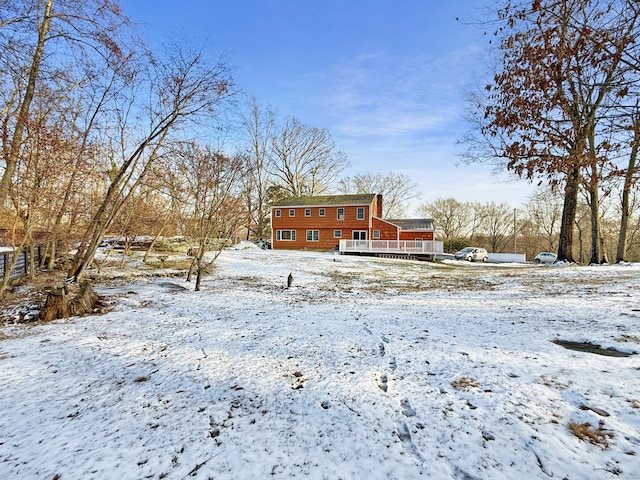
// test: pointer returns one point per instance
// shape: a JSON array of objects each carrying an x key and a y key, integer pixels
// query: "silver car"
[
  {"x": 472, "y": 254},
  {"x": 545, "y": 257}
]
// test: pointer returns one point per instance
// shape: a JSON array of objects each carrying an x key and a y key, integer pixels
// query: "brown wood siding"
[
  {"x": 387, "y": 230},
  {"x": 411, "y": 235},
  {"x": 325, "y": 226}
]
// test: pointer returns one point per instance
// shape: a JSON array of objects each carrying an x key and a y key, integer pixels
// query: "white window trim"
[
  {"x": 338, "y": 214},
  {"x": 292, "y": 212},
  {"x": 307, "y": 210},
  {"x": 358, "y": 212},
  {"x": 292, "y": 236},
  {"x": 376, "y": 234},
  {"x": 278, "y": 213},
  {"x": 310, "y": 233},
  {"x": 337, "y": 234},
  {"x": 321, "y": 212}
]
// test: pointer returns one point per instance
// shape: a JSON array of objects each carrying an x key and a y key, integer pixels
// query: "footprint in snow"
[
  {"x": 392, "y": 363},
  {"x": 407, "y": 409},
  {"x": 381, "y": 350},
  {"x": 383, "y": 382},
  {"x": 402, "y": 431}
]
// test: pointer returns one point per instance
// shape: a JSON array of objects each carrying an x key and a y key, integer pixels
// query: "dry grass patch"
[
  {"x": 465, "y": 383},
  {"x": 596, "y": 436},
  {"x": 554, "y": 383},
  {"x": 627, "y": 338}
]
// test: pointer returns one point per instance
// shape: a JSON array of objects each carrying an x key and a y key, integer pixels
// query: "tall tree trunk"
[
  {"x": 621, "y": 251},
  {"x": 192, "y": 265},
  {"x": 155, "y": 239},
  {"x": 11, "y": 160},
  {"x": 50, "y": 253},
  {"x": 604, "y": 258},
  {"x": 565, "y": 243},
  {"x": 580, "y": 243},
  {"x": 32, "y": 262},
  {"x": 199, "y": 270},
  {"x": 594, "y": 200}
]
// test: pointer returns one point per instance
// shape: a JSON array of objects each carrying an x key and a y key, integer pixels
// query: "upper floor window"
[
  {"x": 321, "y": 212},
  {"x": 360, "y": 215},
  {"x": 278, "y": 213},
  {"x": 376, "y": 234},
  {"x": 341, "y": 214},
  {"x": 292, "y": 212},
  {"x": 307, "y": 212}
]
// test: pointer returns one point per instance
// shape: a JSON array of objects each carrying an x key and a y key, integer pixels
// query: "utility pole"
[{"x": 515, "y": 250}]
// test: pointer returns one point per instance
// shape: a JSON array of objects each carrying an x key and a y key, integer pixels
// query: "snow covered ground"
[{"x": 363, "y": 369}]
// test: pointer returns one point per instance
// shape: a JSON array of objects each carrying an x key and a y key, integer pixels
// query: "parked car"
[
  {"x": 545, "y": 257},
  {"x": 264, "y": 245},
  {"x": 472, "y": 254}
]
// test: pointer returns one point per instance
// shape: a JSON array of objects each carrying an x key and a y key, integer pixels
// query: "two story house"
[{"x": 320, "y": 222}]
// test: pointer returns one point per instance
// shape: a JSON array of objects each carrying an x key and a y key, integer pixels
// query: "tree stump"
[{"x": 61, "y": 304}]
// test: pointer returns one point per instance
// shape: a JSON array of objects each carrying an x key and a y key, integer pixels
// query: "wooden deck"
[{"x": 425, "y": 248}]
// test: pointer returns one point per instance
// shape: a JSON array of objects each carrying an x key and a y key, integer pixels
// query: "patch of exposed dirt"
[
  {"x": 591, "y": 348},
  {"x": 25, "y": 297}
]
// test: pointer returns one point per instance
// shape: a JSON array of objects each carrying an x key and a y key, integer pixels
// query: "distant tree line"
[
  {"x": 530, "y": 228},
  {"x": 562, "y": 109}
]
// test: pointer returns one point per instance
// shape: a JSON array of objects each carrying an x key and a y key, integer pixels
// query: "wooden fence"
[{"x": 23, "y": 263}]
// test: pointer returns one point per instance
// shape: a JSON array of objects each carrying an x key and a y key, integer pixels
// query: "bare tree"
[
  {"x": 451, "y": 218},
  {"x": 396, "y": 190},
  {"x": 630, "y": 175},
  {"x": 497, "y": 224},
  {"x": 214, "y": 189},
  {"x": 23, "y": 101},
  {"x": 305, "y": 159},
  {"x": 544, "y": 210},
  {"x": 258, "y": 126},
  {"x": 182, "y": 87},
  {"x": 542, "y": 110},
  {"x": 30, "y": 28}
]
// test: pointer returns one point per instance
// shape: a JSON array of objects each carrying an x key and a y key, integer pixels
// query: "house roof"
[
  {"x": 325, "y": 200},
  {"x": 412, "y": 223}
]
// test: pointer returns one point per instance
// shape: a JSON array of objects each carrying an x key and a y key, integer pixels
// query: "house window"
[
  {"x": 376, "y": 234},
  {"x": 341, "y": 214},
  {"x": 360, "y": 213},
  {"x": 286, "y": 235},
  {"x": 307, "y": 212},
  {"x": 337, "y": 234},
  {"x": 278, "y": 213},
  {"x": 313, "y": 235},
  {"x": 321, "y": 212},
  {"x": 292, "y": 212}
]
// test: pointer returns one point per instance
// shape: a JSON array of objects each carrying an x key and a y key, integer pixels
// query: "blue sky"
[{"x": 387, "y": 79}]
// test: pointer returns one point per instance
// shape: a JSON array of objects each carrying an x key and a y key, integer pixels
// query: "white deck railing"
[{"x": 424, "y": 247}]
